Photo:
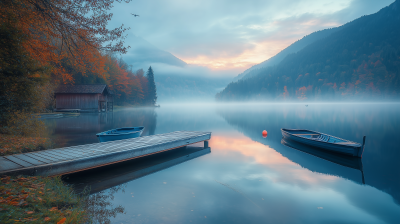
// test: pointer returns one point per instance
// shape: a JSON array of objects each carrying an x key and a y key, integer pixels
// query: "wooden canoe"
[
  {"x": 324, "y": 141},
  {"x": 119, "y": 134}
]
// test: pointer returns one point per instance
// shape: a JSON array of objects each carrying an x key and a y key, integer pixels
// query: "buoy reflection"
[{"x": 264, "y": 134}]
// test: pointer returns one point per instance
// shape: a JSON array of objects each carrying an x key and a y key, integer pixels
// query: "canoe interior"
[
  {"x": 315, "y": 136},
  {"x": 122, "y": 131}
]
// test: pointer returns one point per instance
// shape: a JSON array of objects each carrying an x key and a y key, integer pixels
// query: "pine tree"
[{"x": 151, "y": 97}]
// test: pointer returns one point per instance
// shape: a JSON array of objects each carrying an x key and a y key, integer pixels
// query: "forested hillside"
[
  {"x": 129, "y": 87},
  {"x": 293, "y": 48},
  {"x": 359, "y": 61}
]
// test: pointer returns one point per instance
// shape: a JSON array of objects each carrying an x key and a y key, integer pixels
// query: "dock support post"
[{"x": 205, "y": 144}]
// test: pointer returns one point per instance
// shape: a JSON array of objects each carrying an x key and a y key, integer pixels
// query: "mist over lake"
[{"x": 245, "y": 177}]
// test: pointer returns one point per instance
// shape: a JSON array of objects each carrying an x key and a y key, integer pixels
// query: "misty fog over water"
[{"x": 244, "y": 177}]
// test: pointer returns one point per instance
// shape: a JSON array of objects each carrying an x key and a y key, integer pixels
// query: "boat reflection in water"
[
  {"x": 347, "y": 161},
  {"x": 106, "y": 177}
]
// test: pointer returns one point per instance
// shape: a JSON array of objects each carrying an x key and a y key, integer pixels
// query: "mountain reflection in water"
[{"x": 379, "y": 123}]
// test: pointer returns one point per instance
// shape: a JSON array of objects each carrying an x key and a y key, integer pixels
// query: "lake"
[{"x": 243, "y": 177}]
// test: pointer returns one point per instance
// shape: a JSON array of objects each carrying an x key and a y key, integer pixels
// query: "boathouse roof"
[{"x": 94, "y": 88}]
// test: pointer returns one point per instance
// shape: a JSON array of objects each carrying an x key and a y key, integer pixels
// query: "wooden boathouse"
[{"x": 84, "y": 98}]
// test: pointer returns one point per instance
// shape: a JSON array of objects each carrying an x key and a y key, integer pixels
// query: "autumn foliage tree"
[
  {"x": 118, "y": 80},
  {"x": 59, "y": 29},
  {"x": 128, "y": 87},
  {"x": 43, "y": 39}
]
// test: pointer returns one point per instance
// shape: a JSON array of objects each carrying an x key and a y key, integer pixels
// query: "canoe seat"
[{"x": 323, "y": 138}]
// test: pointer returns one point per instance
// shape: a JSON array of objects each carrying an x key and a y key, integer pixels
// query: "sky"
[{"x": 233, "y": 35}]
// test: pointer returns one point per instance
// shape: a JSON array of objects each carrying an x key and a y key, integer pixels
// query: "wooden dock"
[{"x": 83, "y": 157}]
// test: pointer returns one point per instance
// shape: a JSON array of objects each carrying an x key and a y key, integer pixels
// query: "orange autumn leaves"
[
  {"x": 67, "y": 42},
  {"x": 62, "y": 220},
  {"x": 10, "y": 196},
  {"x": 39, "y": 199},
  {"x": 18, "y": 144},
  {"x": 65, "y": 30},
  {"x": 117, "y": 77},
  {"x": 128, "y": 87}
]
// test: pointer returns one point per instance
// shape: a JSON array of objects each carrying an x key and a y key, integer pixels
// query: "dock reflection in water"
[
  {"x": 110, "y": 176},
  {"x": 105, "y": 182},
  {"x": 343, "y": 160}
]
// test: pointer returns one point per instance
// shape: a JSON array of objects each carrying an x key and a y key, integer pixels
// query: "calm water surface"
[{"x": 243, "y": 177}]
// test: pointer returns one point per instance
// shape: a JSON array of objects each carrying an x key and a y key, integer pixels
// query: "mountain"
[
  {"x": 175, "y": 79},
  {"x": 143, "y": 53},
  {"x": 293, "y": 48},
  {"x": 361, "y": 60}
]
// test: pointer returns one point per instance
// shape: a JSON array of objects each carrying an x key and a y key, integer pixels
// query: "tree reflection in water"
[{"x": 99, "y": 205}]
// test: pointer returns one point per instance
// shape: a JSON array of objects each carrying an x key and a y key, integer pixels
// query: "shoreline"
[{"x": 40, "y": 199}]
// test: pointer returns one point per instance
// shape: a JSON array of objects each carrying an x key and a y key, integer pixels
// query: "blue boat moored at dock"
[
  {"x": 324, "y": 141},
  {"x": 119, "y": 134}
]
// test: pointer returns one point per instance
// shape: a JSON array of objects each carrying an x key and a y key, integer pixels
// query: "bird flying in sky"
[{"x": 134, "y": 15}]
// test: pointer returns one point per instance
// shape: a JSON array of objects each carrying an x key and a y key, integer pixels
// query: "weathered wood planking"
[{"x": 82, "y": 157}]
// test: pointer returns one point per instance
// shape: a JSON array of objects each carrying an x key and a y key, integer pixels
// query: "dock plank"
[
  {"x": 33, "y": 156},
  {"x": 82, "y": 157},
  {"x": 52, "y": 156},
  {"x": 58, "y": 154},
  {"x": 29, "y": 159},
  {"x": 45, "y": 155},
  {"x": 65, "y": 154},
  {"x": 6, "y": 164},
  {"x": 19, "y": 161}
]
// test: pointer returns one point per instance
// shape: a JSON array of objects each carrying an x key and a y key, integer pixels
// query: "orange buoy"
[{"x": 264, "y": 133}]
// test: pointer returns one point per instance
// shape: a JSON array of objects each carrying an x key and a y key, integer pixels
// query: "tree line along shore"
[{"x": 44, "y": 44}]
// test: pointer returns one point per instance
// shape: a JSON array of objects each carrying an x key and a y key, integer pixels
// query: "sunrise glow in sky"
[{"x": 233, "y": 34}]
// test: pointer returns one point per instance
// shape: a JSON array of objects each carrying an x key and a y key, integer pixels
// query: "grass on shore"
[
  {"x": 40, "y": 200},
  {"x": 46, "y": 199},
  {"x": 10, "y": 144},
  {"x": 36, "y": 199}
]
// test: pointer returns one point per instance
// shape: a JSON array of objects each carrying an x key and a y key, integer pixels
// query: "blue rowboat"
[
  {"x": 324, "y": 141},
  {"x": 119, "y": 134}
]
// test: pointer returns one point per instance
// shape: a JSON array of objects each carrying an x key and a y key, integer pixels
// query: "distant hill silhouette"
[
  {"x": 142, "y": 54},
  {"x": 293, "y": 48},
  {"x": 360, "y": 60}
]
